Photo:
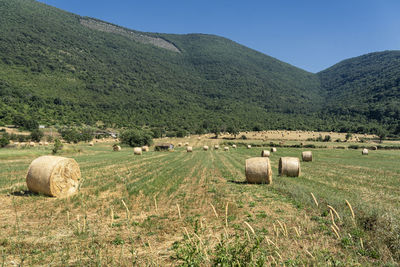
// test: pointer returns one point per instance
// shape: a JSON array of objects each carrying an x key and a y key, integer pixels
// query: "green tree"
[
  {"x": 37, "y": 135},
  {"x": 136, "y": 137},
  {"x": 57, "y": 146}
]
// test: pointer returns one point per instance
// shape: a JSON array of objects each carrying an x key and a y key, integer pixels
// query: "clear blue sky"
[{"x": 310, "y": 34}]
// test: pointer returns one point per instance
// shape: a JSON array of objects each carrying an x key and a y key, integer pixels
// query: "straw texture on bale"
[
  {"x": 258, "y": 170},
  {"x": 189, "y": 149},
  {"x": 265, "y": 153},
  {"x": 226, "y": 148},
  {"x": 306, "y": 155},
  {"x": 273, "y": 149},
  {"x": 205, "y": 148},
  {"x": 365, "y": 151},
  {"x": 137, "y": 151},
  {"x": 289, "y": 166},
  {"x": 216, "y": 147},
  {"x": 145, "y": 148},
  {"x": 53, "y": 176},
  {"x": 233, "y": 146}
]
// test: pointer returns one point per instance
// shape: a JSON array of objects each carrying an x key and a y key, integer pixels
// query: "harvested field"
[{"x": 171, "y": 208}]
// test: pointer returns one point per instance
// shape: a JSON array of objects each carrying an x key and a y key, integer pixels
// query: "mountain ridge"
[{"x": 57, "y": 71}]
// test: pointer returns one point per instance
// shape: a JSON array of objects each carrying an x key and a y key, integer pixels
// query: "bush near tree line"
[{"x": 136, "y": 137}]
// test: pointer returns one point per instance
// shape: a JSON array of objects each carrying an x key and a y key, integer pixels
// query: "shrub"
[
  {"x": 4, "y": 140},
  {"x": 243, "y": 137},
  {"x": 36, "y": 135},
  {"x": 327, "y": 138},
  {"x": 57, "y": 146},
  {"x": 136, "y": 137}
]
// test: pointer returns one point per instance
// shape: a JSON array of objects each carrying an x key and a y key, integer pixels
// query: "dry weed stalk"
[
  {"x": 226, "y": 215},
  {"x": 67, "y": 217},
  {"x": 284, "y": 232},
  {"x": 155, "y": 203},
  {"x": 361, "y": 243},
  {"x": 351, "y": 210},
  {"x": 337, "y": 214},
  {"x": 179, "y": 213},
  {"x": 297, "y": 232},
  {"x": 279, "y": 255},
  {"x": 315, "y": 200},
  {"x": 215, "y": 212},
  {"x": 309, "y": 253},
  {"x": 251, "y": 228},
  {"x": 126, "y": 208},
  {"x": 112, "y": 217},
  {"x": 336, "y": 232}
]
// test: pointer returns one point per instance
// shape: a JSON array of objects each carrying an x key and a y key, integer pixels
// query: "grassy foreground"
[{"x": 178, "y": 208}]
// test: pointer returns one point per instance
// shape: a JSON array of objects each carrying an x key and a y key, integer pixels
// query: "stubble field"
[{"x": 179, "y": 208}]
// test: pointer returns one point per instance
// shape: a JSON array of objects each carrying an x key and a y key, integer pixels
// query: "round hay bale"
[
  {"x": 145, "y": 148},
  {"x": 226, "y": 148},
  {"x": 306, "y": 155},
  {"x": 31, "y": 144},
  {"x": 233, "y": 146},
  {"x": 248, "y": 146},
  {"x": 199, "y": 138},
  {"x": 186, "y": 144},
  {"x": 189, "y": 149},
  {"x": 179, "y": 144},
  {"x": 116, "y": 148},
  {"x": 40, "y": 143},
  {"x": 205, "y": 148},
  {"x": 258, "y": 170},
  {"x": 374, "y": 148},
  {"x": 46, "y": 143},
  {"x": 137, "y": 150},
  {"x": 265, "y": 153},
  {"x": 53, "y": 176},
  {"x": 91, "y": 143},
  {"x": 216, "y": 147},
  {"x": 273, "y": 149},
  {"x": 289, "y": 166},
  {"x": 365, "y": 151}
]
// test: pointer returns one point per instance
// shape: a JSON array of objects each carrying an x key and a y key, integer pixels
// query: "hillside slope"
[
  {"x": 367, "y": 87},
  {"x": 56, "y": 69}
]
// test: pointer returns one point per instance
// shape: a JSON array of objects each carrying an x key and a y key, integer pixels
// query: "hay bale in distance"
[
  {"x": 258, "y": 170},
  {"x": 116, "y": 148},
  {"x": 306, "y": 155},
  {"x": 205, "y": 148},
  {"x": 265, "y": 153},
  {"x": 289, "y": 166},
  {"x": 233, "y": 146},
  {"x": 273, "y": 149},
  {"x": 374, "y": 148},
  {"x": 365, "y": 151},
  {"x": 145, "y": 148},
  {"x": 91, "y": 144},
  {"x": 226, "y": 148},
  {"x": 248, "y": 146},
  {"x": 53, "y": 176},
  {"x": 186, "y": 144},
  {"x": 137, "y": 150},
  {"x": 32, "y": 144},
  {"x": 189, "y": 149},
  {"x": 179, "y": 144},
  {"x": 216, "y": 147}
]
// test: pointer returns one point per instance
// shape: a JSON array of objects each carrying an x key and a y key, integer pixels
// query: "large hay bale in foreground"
[
  {"x": 53, "y": 176},
  {"x": 137, "y": 150},
  {"x": 273, "y": 149},
  {"x": 205, "y": 148},
  {"x": 289, "y": 166},
  {"x": 145, "y": 148},
  {"x": 265, "y": 153},
  {"x": 258, "y": 170},
  {"x": 306, "y": 155},
  {"x": 189, "y": 149},
  {"x": 365, "y": 151}
]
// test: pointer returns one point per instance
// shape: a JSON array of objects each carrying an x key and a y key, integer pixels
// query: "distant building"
[{"x": 42, "y": 126}]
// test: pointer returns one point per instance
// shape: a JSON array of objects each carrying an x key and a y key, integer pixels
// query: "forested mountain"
[
  {"x": 367, "y": 87},
  {"x": 60, "y": 68}
]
